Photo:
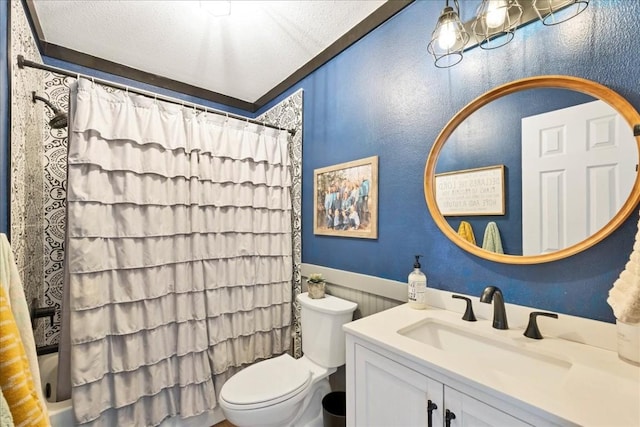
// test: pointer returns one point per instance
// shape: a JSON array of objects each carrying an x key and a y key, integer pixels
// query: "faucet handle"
[
  {"x": 468, "y": 312},
  {"x": 532, "y": 328}
]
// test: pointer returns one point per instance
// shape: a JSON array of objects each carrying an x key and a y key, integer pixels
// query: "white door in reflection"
[{"x": 578, "y": 168}]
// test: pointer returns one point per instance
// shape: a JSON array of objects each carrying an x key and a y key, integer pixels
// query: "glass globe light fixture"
[
  {"x": 553, "y": 12},
  {"x": 496, "y": 22},
  {"x": 448, "y": 38}
]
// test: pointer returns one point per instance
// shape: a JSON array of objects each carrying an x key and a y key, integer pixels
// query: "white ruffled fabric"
[
  {"x": 127, "y": 285},
  {"x": 179, "y": 254},
  {"x": 127, "y": 187},
  {"x": 624, "y": 296},
  {"x": 171, "y": 220},
  {"x": 98, "y": 254}
]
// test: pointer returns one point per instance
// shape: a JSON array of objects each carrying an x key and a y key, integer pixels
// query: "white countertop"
[{"x": 598, "y": 388}]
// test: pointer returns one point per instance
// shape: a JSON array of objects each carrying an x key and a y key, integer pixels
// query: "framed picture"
[
  {"x": 471, "y": 192},
  {"x": 346, "y": 199}
]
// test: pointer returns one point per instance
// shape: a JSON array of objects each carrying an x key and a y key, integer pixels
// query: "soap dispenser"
[{"x": 417, "y": 287}]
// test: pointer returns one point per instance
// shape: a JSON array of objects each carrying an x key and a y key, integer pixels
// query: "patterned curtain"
[{"x": 179, "y": 256}]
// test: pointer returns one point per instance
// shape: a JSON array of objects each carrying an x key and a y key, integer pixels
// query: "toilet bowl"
[
  {"x": 284, "y": 391},
  {"x": 276, "y": 392}
]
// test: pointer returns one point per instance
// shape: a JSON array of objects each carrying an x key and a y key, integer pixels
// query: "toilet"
[{"x": 284, "y": 391}]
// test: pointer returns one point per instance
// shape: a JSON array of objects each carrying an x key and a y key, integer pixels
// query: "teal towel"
[{"x": 492, "y": 240}]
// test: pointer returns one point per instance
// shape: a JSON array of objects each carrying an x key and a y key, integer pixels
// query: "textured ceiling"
[{"x": 242, "y": 55}]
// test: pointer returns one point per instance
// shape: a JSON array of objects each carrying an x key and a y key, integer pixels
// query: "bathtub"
[{"x": 60, "y": 413}]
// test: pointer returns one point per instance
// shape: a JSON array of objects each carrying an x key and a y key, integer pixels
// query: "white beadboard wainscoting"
[{"x": 372, "y": 294}]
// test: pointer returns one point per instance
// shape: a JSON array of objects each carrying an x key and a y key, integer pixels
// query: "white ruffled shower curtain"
[{"x": 179, "y": 255}]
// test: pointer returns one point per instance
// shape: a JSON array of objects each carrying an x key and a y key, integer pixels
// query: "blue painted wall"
[
  {"x": 4, "y": 121},
  {"x": 384, "y": 97}
]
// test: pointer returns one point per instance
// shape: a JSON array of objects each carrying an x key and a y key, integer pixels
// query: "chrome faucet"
[{"x": 493, "y": 293}]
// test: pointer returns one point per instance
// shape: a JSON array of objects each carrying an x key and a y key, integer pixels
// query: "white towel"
[
  {"x": 492, "y": 241},
  {"x": 10, "y": 280},
  {"x": 6, "y": 420},
  {"x": 624, "y": 296}
]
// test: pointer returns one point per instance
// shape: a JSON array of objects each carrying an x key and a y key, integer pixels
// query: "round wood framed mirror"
[{"x": 511, "y": 131}]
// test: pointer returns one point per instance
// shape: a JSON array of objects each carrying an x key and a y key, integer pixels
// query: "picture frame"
[
  {"x": 471, "y": 192},
  {"x": 346, "y": 199}
]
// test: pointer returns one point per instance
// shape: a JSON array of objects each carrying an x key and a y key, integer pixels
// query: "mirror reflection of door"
[{"x": 578, "y": 168}]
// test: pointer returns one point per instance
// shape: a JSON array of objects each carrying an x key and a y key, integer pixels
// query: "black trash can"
[{"x": 334, "y": 409}]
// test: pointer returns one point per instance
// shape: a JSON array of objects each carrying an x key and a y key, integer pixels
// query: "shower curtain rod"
[{"x": 26, "y": 63}]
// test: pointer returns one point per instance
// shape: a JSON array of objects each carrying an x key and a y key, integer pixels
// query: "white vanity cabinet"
[
  {"x": 472, "y": 412},
  {"x": 399, "y": 359},
  {"x": 386, "y": 393},
  {"x": 390, "y": 394}
]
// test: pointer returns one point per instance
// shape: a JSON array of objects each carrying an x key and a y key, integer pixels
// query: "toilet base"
[{"x": 312, "y": 410}]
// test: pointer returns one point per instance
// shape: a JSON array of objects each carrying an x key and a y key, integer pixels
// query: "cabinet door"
[
  {"x": 472, "y": 412},
  {"x": 388, "y": 394}
]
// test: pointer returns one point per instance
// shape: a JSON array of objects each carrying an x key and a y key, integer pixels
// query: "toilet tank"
[{"x": 323, "y": 340}]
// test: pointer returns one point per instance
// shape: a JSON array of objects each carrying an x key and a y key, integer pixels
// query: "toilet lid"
[{"x": 267, "y": 382}]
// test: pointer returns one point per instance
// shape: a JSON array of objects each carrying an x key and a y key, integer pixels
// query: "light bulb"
[
  {"x": 447, "y": 36},
  {"x": 496, "y": 13}
]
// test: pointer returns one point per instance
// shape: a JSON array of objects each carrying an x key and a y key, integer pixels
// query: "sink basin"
[{"x": 507, "y": 357}]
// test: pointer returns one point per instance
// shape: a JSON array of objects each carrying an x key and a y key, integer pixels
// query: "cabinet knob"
[
  {"x": 532, "y": 330},
  {"x": 448, "y": 416}
]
